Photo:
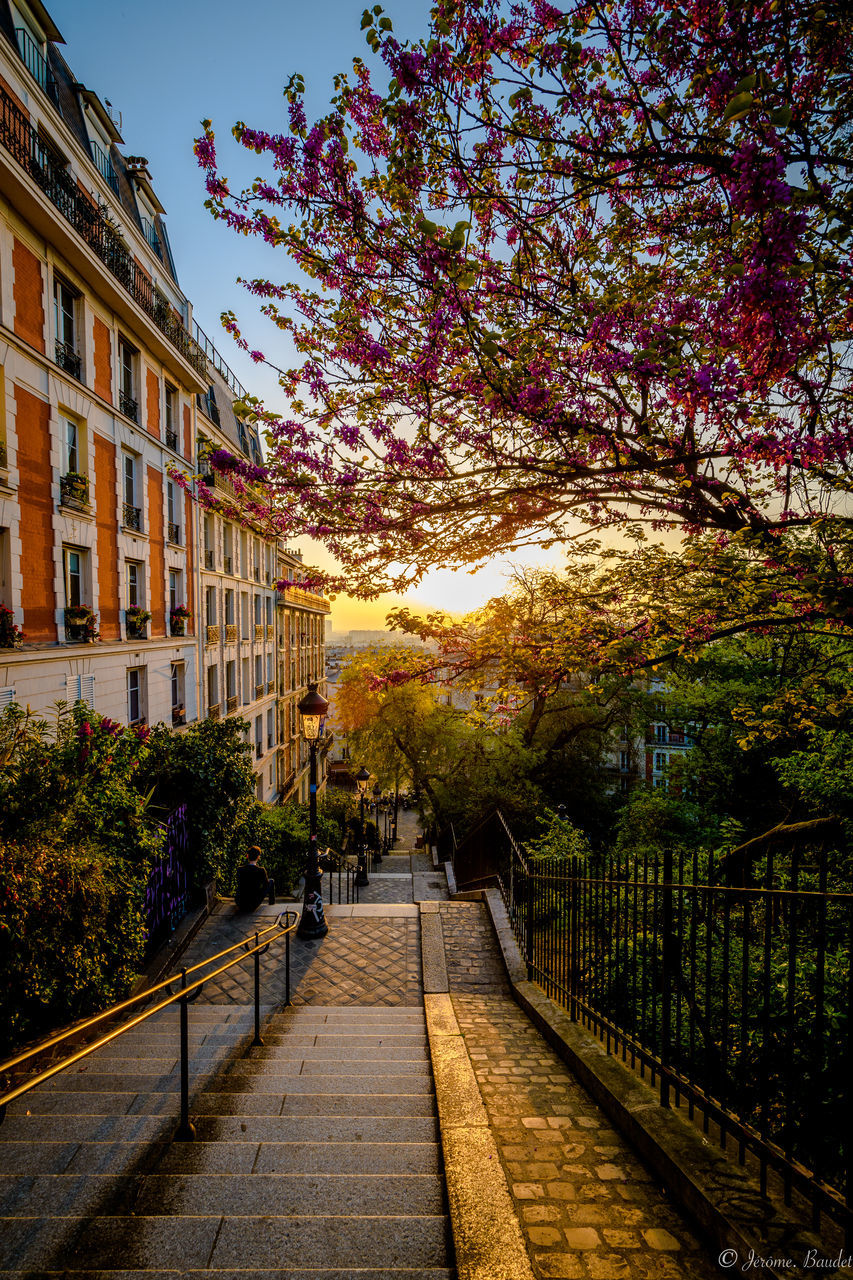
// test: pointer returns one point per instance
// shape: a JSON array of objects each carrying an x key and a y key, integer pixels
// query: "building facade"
[{"x": 130, "y": 597}]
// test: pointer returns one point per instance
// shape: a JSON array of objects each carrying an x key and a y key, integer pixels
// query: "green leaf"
[
  {"x": 738, "y": 106},
  {"x": 781, "y": 116},
  {"x": 748, "y": 82}
]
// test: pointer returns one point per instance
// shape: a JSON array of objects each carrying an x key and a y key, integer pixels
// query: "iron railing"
[
  {"x": 104, "y": 165},
  {"x": 218, "y": 363},
  {"x": 174, "y": 533},
  {"x": 30, "y": 151},
  {"x": 131, "y": 517},
  {"x": 171, "y": 439},
  {"x": 342, "y": 869},
  {"x": 128, "y": 406},
  {"x": 735, "y": 998},
  {"x": 36, "y": 63},
  {"x": 68, "y": 359},
  {"x": 189, "y": 991}
]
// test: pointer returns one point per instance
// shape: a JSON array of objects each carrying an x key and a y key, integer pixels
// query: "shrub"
[{"x": 72, "y": 934}]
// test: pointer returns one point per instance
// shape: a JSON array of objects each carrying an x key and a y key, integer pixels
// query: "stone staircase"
[{"x": 315, "y": 1155}]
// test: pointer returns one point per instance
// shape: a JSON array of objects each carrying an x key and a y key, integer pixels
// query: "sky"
[{"x": 169, "y": 64}]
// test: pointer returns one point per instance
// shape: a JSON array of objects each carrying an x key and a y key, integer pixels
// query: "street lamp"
[
  {"x": 377, "y": 853},
  {"x": 312, "y": 922},
  {"x": 362, "y": 778}
]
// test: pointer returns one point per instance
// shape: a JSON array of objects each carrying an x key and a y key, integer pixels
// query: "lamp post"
[
  {"x": 312, "y": 922},
  {"x": 377, "y": 853},
  {"x": 362, "y": 778}
]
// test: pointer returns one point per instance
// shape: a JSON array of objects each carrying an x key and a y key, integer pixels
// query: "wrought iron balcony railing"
[
  {"x": 36, "y": 63},
  {"x": 174, "y": 533},
  {"x": 132, "y": 517},
  {"x": 30, "y": 151},
  {"x": 4, "y": 457},
  {"x": 179, "y": 716},
  {"x": 128, "y": 406},
  {"x": 212, "y": 634},
  {"x": 259, "y": 690},
  {"x": 104, "y": 165},
  {"x": 172, "y": 440},
  {"x": 208, "y": 558},
  {"x": 259, "y": 631},
  {"x": 228, "y": 564},
  {"x": 68, "y": 359},
  {"x": 232, "y": 702},
  {"x": 213, "y": 712},
  {"x": 270, "y": 631},
  {"x": 230, "y": 633},
  {"x": 73, "y": 490}
]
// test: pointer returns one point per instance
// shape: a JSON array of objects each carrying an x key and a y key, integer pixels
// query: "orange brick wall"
[
  {"x": 35, "y": 498},
  {"x": 152, "y": 391},
  {"x": 190, "y": 576},
  {"x": 27, "y": 290},
  {"x": 106, "y": 521},
  {"x": 188, "y": 433},
  {"x": 157, "y": 608},
  {"x": 103, "y": 361}
]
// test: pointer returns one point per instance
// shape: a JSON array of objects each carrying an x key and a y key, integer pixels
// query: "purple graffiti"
[{"x": 168, "y": 889}]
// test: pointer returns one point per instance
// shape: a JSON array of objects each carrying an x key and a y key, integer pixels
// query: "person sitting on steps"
[{"x": 253, "y": 883}]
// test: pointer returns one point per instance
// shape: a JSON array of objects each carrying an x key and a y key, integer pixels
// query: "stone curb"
[
  {"x": 487, "y": 1237},
  {"x": 723, "y": 1198}
]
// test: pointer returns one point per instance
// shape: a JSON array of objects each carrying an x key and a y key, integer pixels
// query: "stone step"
[
  {"x": 347, "y": 1041},
  {"x": 275, "y": 1273},
  {"x": 203, "y": 1194},
  {"x": 249, "y": 1244},
  {"x": 382, "y": 1052},
  {"x": 341, "y": 1069},
  {"x": 323, "y": 1082},
  {"x": 298, "y": 1157}
]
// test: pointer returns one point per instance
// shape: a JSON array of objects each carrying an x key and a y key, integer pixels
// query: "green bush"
[
  {"x": 58, "y": 959},
  {"x": 282, "y": 833}
]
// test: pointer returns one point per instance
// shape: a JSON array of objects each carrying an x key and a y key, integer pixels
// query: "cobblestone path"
[{"x": 587, "y": 1206}]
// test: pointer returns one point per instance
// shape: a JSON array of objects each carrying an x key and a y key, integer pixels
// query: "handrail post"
[
  {"x": 257, "y": 1040},
  {"x": 185, "y": 1131},
  {"x": 528, "y": 925},
  {"x": 287, "y": 967}
]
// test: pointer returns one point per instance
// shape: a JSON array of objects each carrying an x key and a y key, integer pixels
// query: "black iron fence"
[{"x": 735, "y": 1000}]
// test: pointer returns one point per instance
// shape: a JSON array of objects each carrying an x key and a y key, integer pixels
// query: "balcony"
[
  {"x": 208, "y": 558},
  {"x": 259, "y": 690},
  {"x": 259, "y": 631},
  {"x": 270, "y": 631},
  {"x": 68, "y": 359},
  {"x": 174, "y": 534},
  {"x": 228, "y": 564},
  {"x": 213, "y": 712},
  {"x": 74, "y": 491},
  {"x": 29, "y": 150},
  {"x": 128, "y": 406},
  {"x": 36, "y": 63},
  {"x": 172, "y": 440},
  {"x": 104, "y": 165},
  {"x": 232, "y": 703},
  {"x": 212, "y": 634},
  {"x": 136, "y": 622},
  {"x": 230, "y": 633},
  {"x": 179, "y": 716},
  {"x": 131, "y": 517},
  {"x": 259, "y": 750},
  {"x": 270, "y": 686}
]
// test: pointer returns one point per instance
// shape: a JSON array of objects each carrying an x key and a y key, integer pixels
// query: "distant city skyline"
[{"x": 166, "y": 67}]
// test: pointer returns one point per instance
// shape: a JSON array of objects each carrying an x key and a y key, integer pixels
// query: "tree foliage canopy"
[{"x": 573, "y": 261}]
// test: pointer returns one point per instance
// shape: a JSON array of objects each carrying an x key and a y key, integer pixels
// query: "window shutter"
[
  {"x": 7, "y": 696},
  {"x": 72, "y": 689},
  {"x": 87, "y": 690}
]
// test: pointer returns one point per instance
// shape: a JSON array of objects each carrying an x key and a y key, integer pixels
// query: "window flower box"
[
  {"x": 81, "y": 624},
  {"x": 137, "y": 620},
  {"x": 11, "y": 634},
  {"x": 74, "y": 489},
  {"x": 178, "y": 619}
]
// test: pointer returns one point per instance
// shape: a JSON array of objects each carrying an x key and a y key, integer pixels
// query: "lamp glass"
[{"x": 311, "y": 727}]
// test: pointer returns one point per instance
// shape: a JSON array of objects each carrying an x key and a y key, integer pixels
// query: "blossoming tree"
[{"x": 561, "y": 266}]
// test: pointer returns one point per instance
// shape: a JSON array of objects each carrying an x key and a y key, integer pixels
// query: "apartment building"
[
  {"x": 301, "y": 645},
  {"x": 128, "y": 595}
]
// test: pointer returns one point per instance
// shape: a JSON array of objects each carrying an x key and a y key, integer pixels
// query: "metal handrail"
[{"x": 184, "y": 996}]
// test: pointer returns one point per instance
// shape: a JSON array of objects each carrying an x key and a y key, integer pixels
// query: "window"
[
  {"x": 269, "y": 667},
  {"x": 228, "y": 548},
  {"x": 259, "y": 670},
  {"x": 80, "y": 689},
  {"x": 132, "y": 512},
  {"x": 210, "y": 606},
  {"x": 247, "y": 681},
  {"x": 229, "y": 608},
  {"x": 127, "y": 379},
  {"x": 209, "y": 541},
  {"x": 259, "y": 736},
  {"x": 75, "y": 565},
  {"x": 212, "y": 686},
  {"x": 135, "y": 694},
  {"x": 177, "y": 687},
  {"x": 624, "y": 761},
  {"x": 173, "y": 511},
  {"x": 244, "y": 613},
  {"x": 660, "y": 761},
  {"x": 171, "y": 417},
  {"x": 269, "y": 611},
  {"x": 660, "y": 733},
  {"x": 258, "y": 615},
  {"x": 231, "y": 679},
  {"x": 270, "y": 729},
  {"x": 65, "y": 326},
  {"x": 176, "y": 588},
  {"x": 135, "y": 584}
]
